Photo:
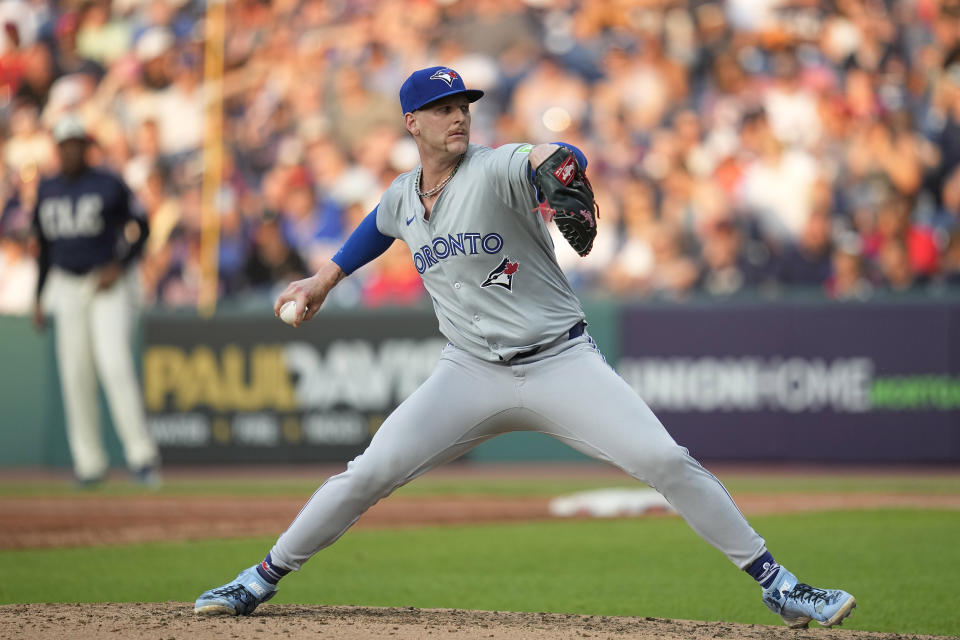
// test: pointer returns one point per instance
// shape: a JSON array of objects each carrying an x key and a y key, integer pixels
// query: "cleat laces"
[
  {"x": 806, "y": 593},
  {"x": 233, "y": 591}
]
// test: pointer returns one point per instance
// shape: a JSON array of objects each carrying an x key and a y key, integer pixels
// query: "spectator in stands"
[
  {"x": 18, "y": 267},
  {"x": 354, "y": 110},
  {"x": 18, "y": 273},
  {"x": 950, "y": 275},
  {"x": 272, "y": 261},
  {"x": 724, "y": 266},
  {"x": 394, "y": 280},
  {"x": 180, "y": 107},
  {"x": 778, "y": 187},
  {"x": 945, "y": 117},
  {"x": 792, "y": 109},
  {"x": 726, "y": 101},
  {"x": 313, "y": 228},
  {"x": 848, "y": 280},
  {"x": 876, "y": 152},
  {"x": 28, "y": 147},
  {"x": 37, "y": 75},
  {"x": 180, "y": 262},
  {"x": 100, "y": 36},
  {"x": 12, "y": 59},
  {"x": 549, "y": 101},
  {"x": 675, "y": 274},
  {"x": 895, "y": 267},
  {"x": 947, "y": 217},
  {"x": 894, "y": 225},
  {"x": 808, "y": 262},
  {"x": 631, "y": 267},
  {"x": 67, "y": 57}
]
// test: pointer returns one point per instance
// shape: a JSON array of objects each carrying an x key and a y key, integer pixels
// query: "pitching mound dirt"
[{"x": 176, "y": 621}]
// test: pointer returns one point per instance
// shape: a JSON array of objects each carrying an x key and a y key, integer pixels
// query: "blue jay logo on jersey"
[
  {"x": 502, "y": 276},
  {"x": 447, "y": 75}
]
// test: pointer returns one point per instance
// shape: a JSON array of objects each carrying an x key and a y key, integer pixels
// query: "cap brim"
[{"x": 472, "y": 95}]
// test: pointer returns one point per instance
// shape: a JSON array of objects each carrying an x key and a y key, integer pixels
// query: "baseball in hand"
[{"x": 288, "y": 312}]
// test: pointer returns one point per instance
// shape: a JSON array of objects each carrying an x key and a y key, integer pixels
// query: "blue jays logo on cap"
[
  {"x": 430, "y": 84},
  {"x": 447, "y": 75}
]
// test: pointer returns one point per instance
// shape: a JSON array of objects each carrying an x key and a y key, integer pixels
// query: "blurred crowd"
[{"x": 740, "y": 146}]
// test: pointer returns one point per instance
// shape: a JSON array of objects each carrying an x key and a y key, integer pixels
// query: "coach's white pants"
[
  {"x": 94, "y": 331},
  {"x": 567, "y": 392}
]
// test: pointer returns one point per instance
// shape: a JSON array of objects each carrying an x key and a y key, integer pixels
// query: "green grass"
[
  {"x": 901, "y": 565},
  {"x": 548, "y": 484}
]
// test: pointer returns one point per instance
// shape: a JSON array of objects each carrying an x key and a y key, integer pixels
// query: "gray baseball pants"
[{"x": 466, "y": 401}]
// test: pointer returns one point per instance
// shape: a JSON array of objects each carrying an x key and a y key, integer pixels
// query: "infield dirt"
[
  {"x": 176, "y": 621},
  {"x": 97, "y": 520}
]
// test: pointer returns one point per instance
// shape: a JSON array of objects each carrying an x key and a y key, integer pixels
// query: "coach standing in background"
[{"x": 90, "y": 230}]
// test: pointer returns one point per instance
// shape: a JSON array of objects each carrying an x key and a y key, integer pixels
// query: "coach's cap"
[
  {"x": 426, "y": 85},
  {"x": 69, "y": 127}
]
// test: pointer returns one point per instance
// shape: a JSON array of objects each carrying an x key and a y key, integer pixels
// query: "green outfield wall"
[
  {"x": 25, "y": 406},
  {"x": 32, "y": 431}
]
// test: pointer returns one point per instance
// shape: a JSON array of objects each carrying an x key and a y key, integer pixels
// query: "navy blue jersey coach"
[{"x": 90, "y": 231}]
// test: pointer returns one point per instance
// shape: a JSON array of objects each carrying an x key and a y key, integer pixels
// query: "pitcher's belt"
[{"x": 575, "y": 332}]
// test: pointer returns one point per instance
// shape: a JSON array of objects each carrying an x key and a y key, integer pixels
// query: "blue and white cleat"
[
  {"x": 237, "y": 598},
  {"x": 798, "y": 603}
]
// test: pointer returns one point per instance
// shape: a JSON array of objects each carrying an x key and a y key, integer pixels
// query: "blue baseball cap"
[{"x": 426, "y": 85}]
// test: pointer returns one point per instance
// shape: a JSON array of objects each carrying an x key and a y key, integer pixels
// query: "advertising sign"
[
  {"x": 253, "y": 389},
  {"x": 797, "y": 382}
]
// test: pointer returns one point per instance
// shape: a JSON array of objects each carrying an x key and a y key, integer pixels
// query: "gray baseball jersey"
[{"x": 485, "y": 255}]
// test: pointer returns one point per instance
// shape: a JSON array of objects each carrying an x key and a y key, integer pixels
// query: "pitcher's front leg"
[{"x": 607, "y": 420}]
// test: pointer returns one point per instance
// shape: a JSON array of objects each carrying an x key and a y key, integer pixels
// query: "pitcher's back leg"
[{"x": 458, "y": 407}]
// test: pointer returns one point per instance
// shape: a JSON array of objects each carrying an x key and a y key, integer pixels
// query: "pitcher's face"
[{"x": 444, "y": 125}]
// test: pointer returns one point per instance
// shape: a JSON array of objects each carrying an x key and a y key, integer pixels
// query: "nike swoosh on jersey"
[{"x": 411, "y": 220}]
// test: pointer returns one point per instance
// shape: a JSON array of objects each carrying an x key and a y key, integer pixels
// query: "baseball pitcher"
[{"x": 519, "y": 356}]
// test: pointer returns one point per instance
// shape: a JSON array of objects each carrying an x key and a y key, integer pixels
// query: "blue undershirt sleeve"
[
  {"x": 132, "y": 210},
  {"x": 364, "y": 244}
]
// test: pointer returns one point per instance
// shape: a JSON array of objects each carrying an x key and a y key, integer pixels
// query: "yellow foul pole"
[{"x": 212, "y": 156}]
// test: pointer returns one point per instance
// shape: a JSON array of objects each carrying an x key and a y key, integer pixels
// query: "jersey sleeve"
[
  {"x": 43, "y": 245},
  {"x": 387, "y": 212},
  {"x": 507, "y": 169},
  {"x": 130, "y": 209}
]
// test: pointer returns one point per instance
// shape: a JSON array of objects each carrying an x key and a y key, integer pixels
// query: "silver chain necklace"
[{"x": 441, "y": 185}]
